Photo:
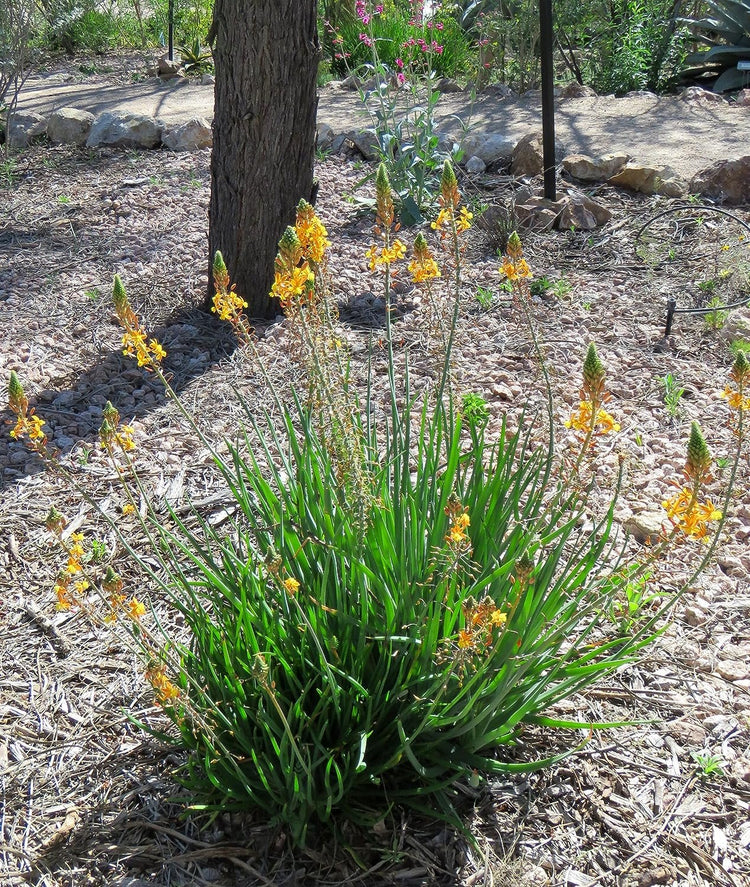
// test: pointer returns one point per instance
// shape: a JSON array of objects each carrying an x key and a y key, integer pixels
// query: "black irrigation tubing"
[{"x": 672, "y": 308}]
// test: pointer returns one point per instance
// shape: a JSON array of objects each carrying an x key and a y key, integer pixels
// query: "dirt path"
[{"x": 684, "y": 134}]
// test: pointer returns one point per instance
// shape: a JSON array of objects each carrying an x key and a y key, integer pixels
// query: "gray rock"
[
  {"x": 645, "y": 526},
  {"x": 340, "y": 141},
  {"x": 324, "y": 136},
  {"x": 743, "y": 98},
  {"x": 697, "y": 94},
  {"x": 69, "y": 126},
  {"x": 489, "y": 146},
  {"x": 583, "y": 213},
  {"x": 538, "y": 213},
  {"x": 123, "y": 130},
  {"x": 640, "y": 94},
  {"x": 475, "y": 165},
  {"x": 727, "y": 181},
  {"x": 528, "y": 156},
  {"x": 25, "y": 126},
  {"x": 366, "y": 142},
  {"x": 500, "y": 90},
  {"x": 190, "y": 136},
  {"x": 207, "y": 80},
  {"x": 447, "y": 85},
  {"x": 577, "y": 91},
  {"x": 736, "y": 326},
  {"x": 594, "y": 169}
]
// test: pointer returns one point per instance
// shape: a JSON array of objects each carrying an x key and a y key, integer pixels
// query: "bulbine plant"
[{"x": 396, "y": 595}]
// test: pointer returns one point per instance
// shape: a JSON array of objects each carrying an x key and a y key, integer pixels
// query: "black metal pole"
[
  {"x": 548, "y": 97},
  {"x": 170, "y": 16}
]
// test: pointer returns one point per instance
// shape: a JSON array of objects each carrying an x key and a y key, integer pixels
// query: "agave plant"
[{"x": 726, "y": 30}]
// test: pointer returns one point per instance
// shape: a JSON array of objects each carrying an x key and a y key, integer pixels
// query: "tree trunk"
[{"x": 266, "y": 60}]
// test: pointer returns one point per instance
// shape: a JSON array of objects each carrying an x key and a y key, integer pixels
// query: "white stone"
[
  {"x": 190, "y": 136},
  {"x": 490, "y": 147},
  {"x": 24, "y": 127},
  {"x": 69, "y": 126},
  {"x": 120, "y": 129},
  {"x": 475, "y": 165}
]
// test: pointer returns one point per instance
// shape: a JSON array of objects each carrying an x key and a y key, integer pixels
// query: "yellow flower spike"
[
  {"x": 740, "y": 373},
  {"x": 383, "y": 198},
  {"x": 423, "y": 266},
  {"x": 18, "y": 403},
  {"x": 119, "y": 296},
  {"x": 311, "y": 232},
  {"x": 514, "y": 248},
  {"x": 698, "y": 462},
  {"x": 219, "y": 271},
  {"x": 55, "y": 522},
  {"x": 111, "y": 414},
  {"x": 290, "y": 251},
  {"x": 593, "y": 376},
  {"x": 464, "y": 220},
  {"x": 450, "y": 196}
]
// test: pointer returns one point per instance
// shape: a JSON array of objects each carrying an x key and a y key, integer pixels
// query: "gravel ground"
[{"x": 86, "y": 795}]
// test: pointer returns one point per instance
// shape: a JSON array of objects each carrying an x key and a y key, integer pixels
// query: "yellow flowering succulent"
[
  {"x": 134, "y": 342},
  {"x": 685, "y": 510},
  {"x": 311, "y": 232},
  {"x": 423, "y": 266}
]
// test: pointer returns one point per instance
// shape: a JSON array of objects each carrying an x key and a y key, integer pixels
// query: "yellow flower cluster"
[
  {"x": 165, "y": 690},
  {"x": 291, "y": 586},
  {"x": 312, "y": 234},
  {"x": 385, "y": 255},
  {"x": 423, "y": 266},
  {"x": 301, "y": 250},
  {"x": 134, "y": 342},
  {"x": 227, "y": 303},
  {"x": 26, "y": 421},
  {"x": 514, "y": 266},
  {"x": 515, "y": 270},
  {"x": 481, "y": 619},
  {"x": 580, "y": 420},
  {"x": 290, "y": 285},
  {"x": 445, "y": 220},
  {"x": 736, "y": 395},
  {"x": 689, "y": 515},
  {"x": 112, "y": 435},
  {"x": 68, "y": 590}
]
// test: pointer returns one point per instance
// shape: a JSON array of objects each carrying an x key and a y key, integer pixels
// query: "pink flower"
[
  {"x": 400, "y": 79},
  {"x": 399, "y": 63},
  {"x": 379, "y": 9},
  {"x": 365, "y": 39}
]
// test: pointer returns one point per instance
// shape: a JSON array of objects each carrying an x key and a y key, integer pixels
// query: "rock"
[
  {"x": 694, "y": 616},
  {"x": 324, "y": 136},
  {"x": 641, "y": 94},
  {"x": 190, "y": 136},
  {"x": 25, "y": 126},
  {"x": 727, "y": 181},
  {"x": 120, "y": 129},
  {"x": 733, "y": 669},
  {"x": 445, "y": 84},
  {"x": 490, "y": 147},
  {"x": 475, "y": 165},
  {"x": 645, "y": 526},
  {"x": 339, "y": 141},
  {"x": 69, "y": 126},
  {"x": 743, "y": 98},
  {"x": 207, "y": 80},
  {"x": 696, "y": 94},
  {"x": 538, "y": 213},
  {"x": 594, "y": 169},
  {"x": 650, "y": 180},
  {"x": 581, "y": 211},
  {"x": 577, "y": 91},
  {"x": 736, "y": 326},
  {"x": 501, "y": 90},
  {"x": 366, "y": 142},
  {"x": 168, "y": 69},
  {"x": 528, "y": 156}
]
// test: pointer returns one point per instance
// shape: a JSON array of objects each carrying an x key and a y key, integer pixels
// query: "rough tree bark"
[{"x": 266, "y": 58}]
